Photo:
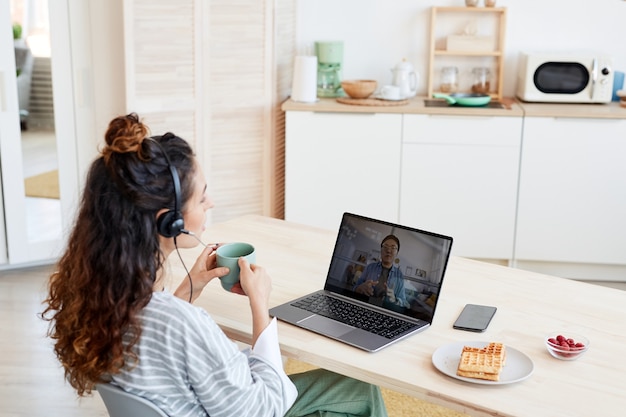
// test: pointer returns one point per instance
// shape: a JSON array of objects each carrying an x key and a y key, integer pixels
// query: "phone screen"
[{"x": 475, "y": 318}]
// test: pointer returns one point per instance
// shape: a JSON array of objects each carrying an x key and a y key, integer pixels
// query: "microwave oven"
[{"x": 565, "y": 78}]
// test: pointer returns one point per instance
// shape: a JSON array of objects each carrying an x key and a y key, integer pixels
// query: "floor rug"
[
  {"x": 44, "y": 185},
  {"x": 398, "y": 405}
]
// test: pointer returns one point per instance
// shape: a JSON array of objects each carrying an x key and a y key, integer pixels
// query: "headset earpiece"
[{"x": 171, "y": 223}]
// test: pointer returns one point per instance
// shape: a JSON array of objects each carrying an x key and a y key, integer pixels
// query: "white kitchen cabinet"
[
  {"x": 460, "y": 177},
  {"x": 572, "y": 197},
  {"x": 337, "y": 162}
]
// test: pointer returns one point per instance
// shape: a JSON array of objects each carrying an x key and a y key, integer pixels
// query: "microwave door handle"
[{"x": 594, "y": 77}]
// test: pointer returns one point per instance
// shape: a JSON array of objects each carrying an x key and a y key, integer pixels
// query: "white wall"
[{"x": 378, "y": 34}]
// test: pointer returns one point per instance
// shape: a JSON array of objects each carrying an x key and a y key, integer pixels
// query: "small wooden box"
[{"x": 469, "y": 43}]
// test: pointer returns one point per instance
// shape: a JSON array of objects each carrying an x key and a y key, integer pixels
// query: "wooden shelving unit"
[{"x": 490, "y": 25}]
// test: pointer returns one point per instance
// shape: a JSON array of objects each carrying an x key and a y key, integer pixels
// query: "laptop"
[{"x": 383, "y": 285}]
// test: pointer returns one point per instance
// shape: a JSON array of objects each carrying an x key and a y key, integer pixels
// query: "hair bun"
[{"x": 125, "y": 134}]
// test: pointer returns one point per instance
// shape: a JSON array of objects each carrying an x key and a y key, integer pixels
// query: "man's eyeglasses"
[{"x": 390, "y": 247}]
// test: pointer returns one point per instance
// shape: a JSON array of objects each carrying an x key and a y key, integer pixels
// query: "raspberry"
[{"x": 565, "y": 347}]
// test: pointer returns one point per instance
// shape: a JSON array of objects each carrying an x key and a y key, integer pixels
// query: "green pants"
[{"x": 322, "y": 393}]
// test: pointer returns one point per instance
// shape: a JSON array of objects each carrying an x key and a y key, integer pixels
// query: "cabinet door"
[
  {"x": 459, "y": 178},
  {"x": 572, "y": 198},
  {"x": 337, "y": 162}
]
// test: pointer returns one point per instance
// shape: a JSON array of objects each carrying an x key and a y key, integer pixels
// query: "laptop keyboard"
[{"x": 354, "y": 315}]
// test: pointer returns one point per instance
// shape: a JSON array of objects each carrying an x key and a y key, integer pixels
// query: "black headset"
[{"x": 171, "y": 223}]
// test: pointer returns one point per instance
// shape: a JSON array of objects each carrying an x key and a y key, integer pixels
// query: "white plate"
[
  {"x": 518, "y": 366},
  {"x": 390, "y": 99}
]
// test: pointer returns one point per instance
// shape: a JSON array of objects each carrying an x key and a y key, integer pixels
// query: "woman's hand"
[
  {"x": 257, "y": 285},
  {"x": 203, "y": 271}
]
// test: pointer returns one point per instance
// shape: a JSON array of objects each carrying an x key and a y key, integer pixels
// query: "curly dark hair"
[{"x": 107, "y": 272}]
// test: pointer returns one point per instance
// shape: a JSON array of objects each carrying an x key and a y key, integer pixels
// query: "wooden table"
[{"x": 529, "y": 305}]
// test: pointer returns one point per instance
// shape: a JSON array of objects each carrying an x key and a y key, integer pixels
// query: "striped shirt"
[{"x": 188, "y": 367}]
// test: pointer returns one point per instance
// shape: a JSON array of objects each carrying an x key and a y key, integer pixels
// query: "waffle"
[{"x": 482, "y": 363}]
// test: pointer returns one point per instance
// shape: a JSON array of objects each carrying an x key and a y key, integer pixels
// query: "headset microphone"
[{"x": 187, "y": 232}]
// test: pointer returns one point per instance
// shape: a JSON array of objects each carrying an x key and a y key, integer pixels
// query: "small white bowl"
[{"x": 556, "y": 344}]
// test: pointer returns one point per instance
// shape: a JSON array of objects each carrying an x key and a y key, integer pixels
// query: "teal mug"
[{"x": 228, "y": 255}]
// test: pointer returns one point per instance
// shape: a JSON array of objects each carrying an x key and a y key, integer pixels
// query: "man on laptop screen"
[{"x": 381, "y": 281}]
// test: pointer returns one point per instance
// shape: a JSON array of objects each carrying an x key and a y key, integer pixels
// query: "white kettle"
[{"x": 405, "y": 77}]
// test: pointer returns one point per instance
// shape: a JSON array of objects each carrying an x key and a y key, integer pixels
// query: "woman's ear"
[{"x": 158, "y": 214}]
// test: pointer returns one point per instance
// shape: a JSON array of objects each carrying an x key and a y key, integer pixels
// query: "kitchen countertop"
[
  {"x": 513, "y": 106},
  {"x": 597, "y": 111}
]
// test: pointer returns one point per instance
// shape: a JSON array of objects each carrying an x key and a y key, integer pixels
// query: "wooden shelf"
[
  {"x": 440, "y": 52},
  {"x": 443, "y": 20}
]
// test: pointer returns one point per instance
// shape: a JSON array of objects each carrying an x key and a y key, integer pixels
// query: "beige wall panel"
[
  {"x": 177, "y": 122},
  {"x": 236, "y": 92},
  {"x": 216, "y": 71},
  {"x": 160, "y": 65}
]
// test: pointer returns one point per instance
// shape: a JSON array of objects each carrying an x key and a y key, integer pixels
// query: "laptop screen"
[{"x": 395, "y": 267}]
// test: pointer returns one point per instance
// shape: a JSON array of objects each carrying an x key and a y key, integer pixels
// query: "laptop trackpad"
[{"x": 326, "y": 326}]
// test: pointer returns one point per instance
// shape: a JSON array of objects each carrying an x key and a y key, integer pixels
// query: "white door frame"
[{"x": 20, "y": 250}]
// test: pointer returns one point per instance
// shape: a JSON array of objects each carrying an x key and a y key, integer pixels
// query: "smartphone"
[{"x": 474, "y": 318}]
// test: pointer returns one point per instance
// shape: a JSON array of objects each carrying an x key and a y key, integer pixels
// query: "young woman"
[{"x": 112, "y": 321}]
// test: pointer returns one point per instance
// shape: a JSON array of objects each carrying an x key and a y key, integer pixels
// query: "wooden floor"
[
  {"x": 39, "y": 151},
  {"x": 31, "y": 380}
]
